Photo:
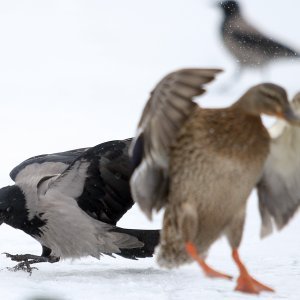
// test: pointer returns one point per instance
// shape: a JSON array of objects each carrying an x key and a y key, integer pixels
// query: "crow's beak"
[{"x": 290, "y": 116}]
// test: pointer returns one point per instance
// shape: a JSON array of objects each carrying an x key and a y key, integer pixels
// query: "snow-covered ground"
[{"x": 77, "y": 73}]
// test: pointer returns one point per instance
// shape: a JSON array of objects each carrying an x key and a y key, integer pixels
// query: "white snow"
[{"x": 77, "y": 73}]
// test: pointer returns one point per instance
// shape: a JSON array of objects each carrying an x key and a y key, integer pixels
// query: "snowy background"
[{"x": 77, "y": 73}]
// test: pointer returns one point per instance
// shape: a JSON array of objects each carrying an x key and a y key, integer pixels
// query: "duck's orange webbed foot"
[
  {"x": 208, "y": 271},
  {"x": 245, "y": 282}
]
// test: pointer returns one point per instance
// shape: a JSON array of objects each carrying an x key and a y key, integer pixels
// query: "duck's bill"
[{"x": 290, "y": 116}]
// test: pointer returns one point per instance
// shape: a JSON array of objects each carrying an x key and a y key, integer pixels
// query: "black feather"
[
  {"x": 106, "y": 195},
  {"x": 150, "y": 238},
  {"x": 137, "y": 151}
]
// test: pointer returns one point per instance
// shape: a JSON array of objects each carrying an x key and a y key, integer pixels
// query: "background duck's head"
[
  {"x": 230, "y": 7},
  {"x": 269, "y": 99}
]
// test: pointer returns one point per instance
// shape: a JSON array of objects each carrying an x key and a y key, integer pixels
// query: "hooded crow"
[
  {"x": 249, "y": 46},
  {"x": 70, "y": 202}
]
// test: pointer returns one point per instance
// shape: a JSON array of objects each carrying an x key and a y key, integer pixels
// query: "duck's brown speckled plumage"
[{"x": 205, "y": 160}]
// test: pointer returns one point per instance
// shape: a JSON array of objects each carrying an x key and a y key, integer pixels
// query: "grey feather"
[
  {"x": 29, "y": 177},
  {"x": 67, "y": 225},
  {"x": 279, "y": 187},
  {"x": 45, "y": 160},
  {"x": 169, "y": 106}
]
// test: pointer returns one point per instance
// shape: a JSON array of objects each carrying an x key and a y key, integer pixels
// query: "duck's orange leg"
[
  {"x": 245, "y": 282},
  {"x": 192, "y": 251}
]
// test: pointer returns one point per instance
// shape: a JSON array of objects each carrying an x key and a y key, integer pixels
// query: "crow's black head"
[
  {"x": 230, "y": 7},
  {"x": 12, "y": 205},
  {"x": 14, "y": 212}
]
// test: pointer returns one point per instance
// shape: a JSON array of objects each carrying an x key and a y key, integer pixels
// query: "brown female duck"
[{"x": 201, "y": 165}]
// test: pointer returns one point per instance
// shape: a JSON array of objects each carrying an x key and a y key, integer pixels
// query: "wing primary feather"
[{"x": 169, "y": 106}]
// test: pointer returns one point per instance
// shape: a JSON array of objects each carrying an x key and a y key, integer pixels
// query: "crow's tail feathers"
[{"x": 150, "y": 239}]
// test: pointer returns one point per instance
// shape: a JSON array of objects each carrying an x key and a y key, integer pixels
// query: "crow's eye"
[{"x": 9, "y": 209}]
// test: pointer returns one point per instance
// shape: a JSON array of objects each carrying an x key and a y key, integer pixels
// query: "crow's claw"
[
  {"x": 23, "y": 266},
  {"x": 26, "y": 260}
]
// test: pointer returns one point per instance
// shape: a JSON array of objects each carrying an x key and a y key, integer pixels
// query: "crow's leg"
[{"x": 26, "y": 260}]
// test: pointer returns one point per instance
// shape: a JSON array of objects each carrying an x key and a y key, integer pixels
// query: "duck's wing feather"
[
  {"x": 98, "y": 180},
  {"x": 279, "y": 188},
  {"x": 169, "y": 106}
]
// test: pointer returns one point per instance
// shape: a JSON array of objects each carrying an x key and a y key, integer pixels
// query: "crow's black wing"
[
  {"x": 99, "y": 181},
  {"x": 106, "y": 195},
  {"x": 45, "y": 161}
]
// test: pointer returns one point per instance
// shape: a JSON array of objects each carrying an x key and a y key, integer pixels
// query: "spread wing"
[
  {"x": 279, "y": 188},
  {"x": 99, "y": 181},
  {"x": 45, "y": 164},
  {"x": 169, "y": 106}
]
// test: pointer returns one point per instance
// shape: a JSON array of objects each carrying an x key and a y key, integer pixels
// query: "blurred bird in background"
[{"x": 250, "y": 47}]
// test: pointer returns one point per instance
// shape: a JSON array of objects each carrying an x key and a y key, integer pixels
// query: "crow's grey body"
[{"x": 66, "y": 224}]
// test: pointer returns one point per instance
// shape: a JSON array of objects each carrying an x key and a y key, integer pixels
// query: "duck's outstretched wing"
[
  {"x": 279, "y": 188},
  {"x": 169, "y": 106}
]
